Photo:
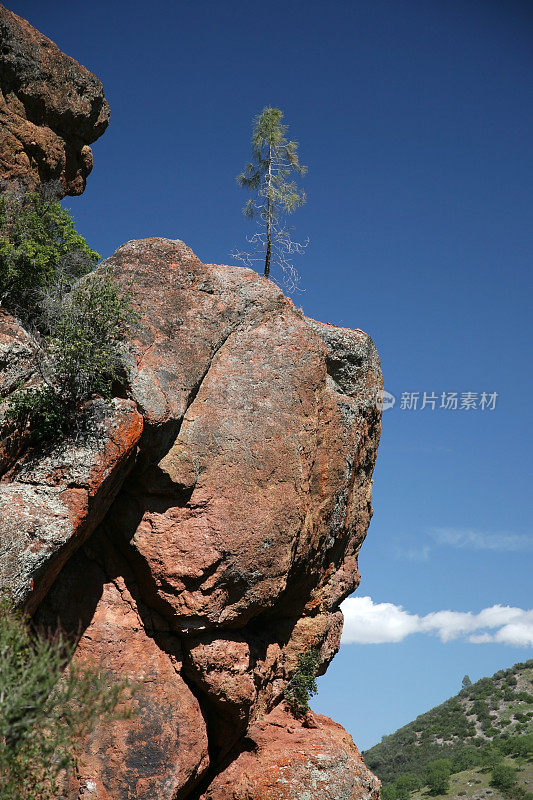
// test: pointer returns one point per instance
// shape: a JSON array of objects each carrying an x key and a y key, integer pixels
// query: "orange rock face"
[
  {"x": 162, "y": 749},
  {"x": 51, "y": 110},
  {"x": 286, "y": 761},
  {"x": 231, "y": 541}
]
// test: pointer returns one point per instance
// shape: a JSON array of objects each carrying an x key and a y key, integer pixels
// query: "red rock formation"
[
  {"x": 286, "y": 761},
  {"x": 51, "y": 110},
  {"x": 230, "y": 544},
  {"x": 161, "y": 750}
]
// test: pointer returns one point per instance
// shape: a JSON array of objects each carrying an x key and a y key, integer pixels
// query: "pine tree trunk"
[
  {"x": 268, "y": 255},
  {"x": 269, "y": 217}
]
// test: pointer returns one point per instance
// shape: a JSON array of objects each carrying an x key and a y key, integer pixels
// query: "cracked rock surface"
[{"x": 219, "y": 514}]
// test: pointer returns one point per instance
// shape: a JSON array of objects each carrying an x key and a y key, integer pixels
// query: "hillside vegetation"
[{"x": 476, "y": 744}]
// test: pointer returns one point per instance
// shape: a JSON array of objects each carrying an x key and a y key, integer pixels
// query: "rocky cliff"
[
  {"x": 51, "y": 110},
  {"x": 201, "y": 529}
]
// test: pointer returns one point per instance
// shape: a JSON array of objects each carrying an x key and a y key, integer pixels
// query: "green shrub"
[
  {"x": 401, "y": 792},
  {"x": 438, "y": 776},
  {"x": 405, "y": 784},
  {"x": 466, "y": 758},
  {"x": 39, "y": 249},
  {"x": 490, "y": 756},
  {"x": 388, "y": 791},
  {"x": 87, "y": 330},
  {"x": 81, "y": 357},
  {"x": 503, "y": 777},
  {"x": 79, "y": 319},
  {"x": 46, "y": 708},
  {"x": 517, "y": 746},
  {"x": 302, "y": 685},
  {"x": 40, "y": 409}
]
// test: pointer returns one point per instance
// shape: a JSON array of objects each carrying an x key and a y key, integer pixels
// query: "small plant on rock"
[
  {"x": 80, "y": 357},
  {"x": 302, "y": 686},
  {"x": 39, "y": 248}
]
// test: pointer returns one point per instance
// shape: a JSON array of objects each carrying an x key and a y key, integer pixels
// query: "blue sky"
[{"x": 415, "y": 119}]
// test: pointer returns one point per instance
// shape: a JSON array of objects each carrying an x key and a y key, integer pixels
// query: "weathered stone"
[
  {"x": 16, "y": 368},
  {"x": 16, "y": 351},
  {"x": 261, "y": 484},
  {"x": 51, "y": 110},
  {"x": 53, "y": 501},
  {"x": 162, "y": 748},
  {"x": 241, "y": 676},
  {"x": 229, "y": 545},
  {"x": 286, "y": 761}
]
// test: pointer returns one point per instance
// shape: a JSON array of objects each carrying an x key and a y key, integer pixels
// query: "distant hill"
[{"x": 487, "y": 723}]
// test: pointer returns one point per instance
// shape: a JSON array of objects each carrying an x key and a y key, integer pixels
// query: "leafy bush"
[
  {"x": 490, "y": 756},
  {"x": 302, "y": 686},
  {"x": 466, "y": 758},
  {"x": 518, "y": 793},
  {"x": 40, "y": 409},
  {"x": 81, "y": 357},
  {"x": 503, "y": 777},
  {"x": 79, "y": 320},
  {"x": 46, "y": 708},
  {"x": 405, "y": 784},
  {"x": 438, "y": 776},
  {"x": 39, "y": 248},
  {"x": 87, "y": 330},
  {"x": 388, "y": 791},
  {"x": 521, "y": 746}
]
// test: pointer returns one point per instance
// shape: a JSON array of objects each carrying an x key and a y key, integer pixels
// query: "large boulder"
[
  {"x": 228, "y": 536},
  {"x": 51, "y": 110}
]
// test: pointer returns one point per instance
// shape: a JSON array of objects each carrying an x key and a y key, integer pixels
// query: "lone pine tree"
[{"x": 274, "y": 158}]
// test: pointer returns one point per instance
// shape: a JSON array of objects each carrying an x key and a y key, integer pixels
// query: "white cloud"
[
  {"x": 469, "y": 539},
  {"x": 413, "y": 553},
  {"x": 366, "y": 622},
  {"x": 518, "y": 634}
]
